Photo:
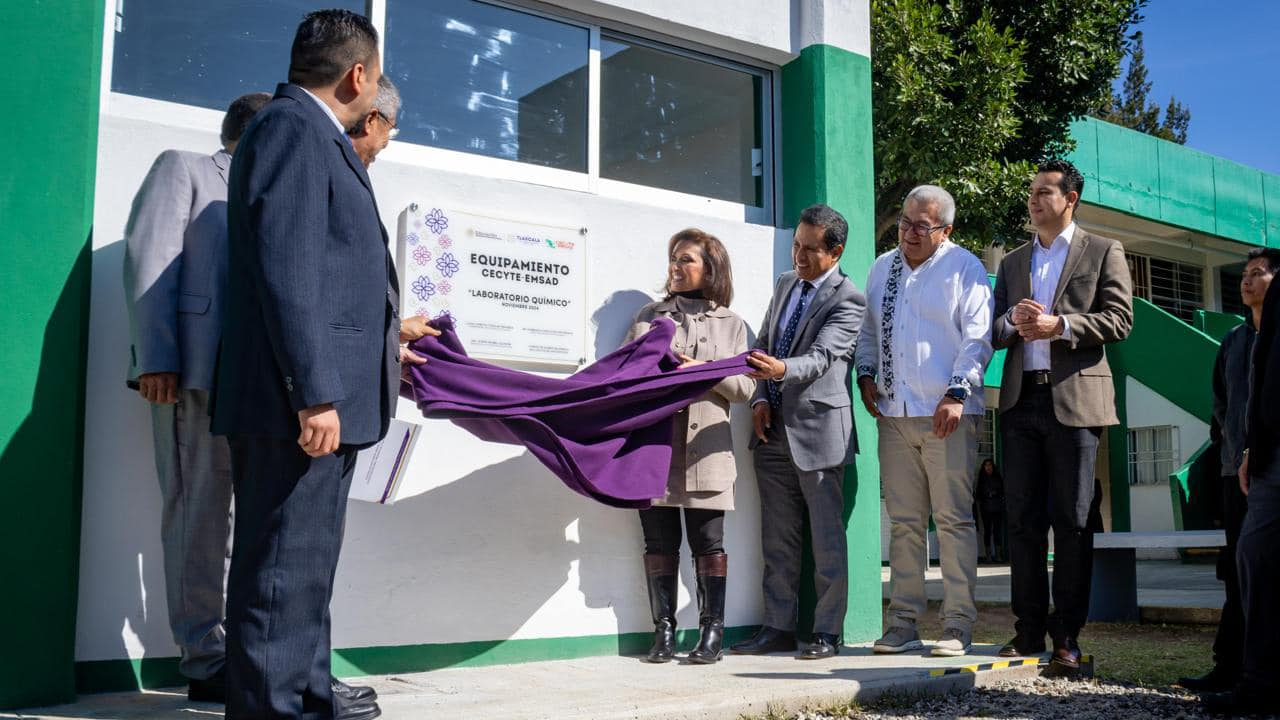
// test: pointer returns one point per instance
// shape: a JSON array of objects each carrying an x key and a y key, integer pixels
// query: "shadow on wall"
[
  {"x": 614, "y": 317},
  {"x": 41, "y": 464},
  {"x": 520, "y": 531},
  {"x": 134, "y": 546}
]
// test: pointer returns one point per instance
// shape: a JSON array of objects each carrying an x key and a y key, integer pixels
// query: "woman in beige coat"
[{"x": 699, "y": 288}]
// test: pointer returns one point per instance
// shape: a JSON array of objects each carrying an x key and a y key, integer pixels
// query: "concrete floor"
[{"x": 609, "y": 688}]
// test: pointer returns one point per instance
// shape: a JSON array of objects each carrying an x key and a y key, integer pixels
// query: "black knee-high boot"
[
  {"x": 712, "y": 572},
  {"x": 661, "y": 573}
]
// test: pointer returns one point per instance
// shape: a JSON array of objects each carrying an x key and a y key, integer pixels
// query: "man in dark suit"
[
  {"x": 1058, "y": 300},
  {"x": 804, "y": 434},
  {"x": 1257, "y": 692},
  {"x": 308, "y": 369},
  {"x": 174, "y": 274}
]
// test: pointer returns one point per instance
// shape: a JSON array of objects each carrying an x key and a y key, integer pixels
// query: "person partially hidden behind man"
[
  {"x": 804, "y": 434},
  {"x": 1059, "y": 300},
  {"x": 1257, "y": 689},
  {"x": 378, "y": 127},
  {"x": 1230, "y": 401},
  {"x": 174, "y": 274}
]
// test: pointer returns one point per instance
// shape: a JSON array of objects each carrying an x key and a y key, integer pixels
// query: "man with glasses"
[
  {"x": 378, "y": 128},
  {"x": 925, "y": 343},
  {"x": 1058, "y": 301}
]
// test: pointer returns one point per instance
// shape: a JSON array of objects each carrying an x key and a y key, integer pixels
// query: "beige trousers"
[{"x": 923, "y": 475}]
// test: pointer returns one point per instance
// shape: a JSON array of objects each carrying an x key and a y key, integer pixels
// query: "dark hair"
[
  {"x": 1071, "y": 180},
  {"x": 240, "y": 112},
  {"x": 835, "y": 230},
  {"x": 718, "y": 273},
  {"x": 327, "y": 44},
  {"x": 1271, "y": 255}
]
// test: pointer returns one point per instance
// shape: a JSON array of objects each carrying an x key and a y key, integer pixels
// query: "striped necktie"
[{"x": 783, "y": 349}]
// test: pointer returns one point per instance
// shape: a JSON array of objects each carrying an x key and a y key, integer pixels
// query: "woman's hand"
[{"x": 688, "y": 362}]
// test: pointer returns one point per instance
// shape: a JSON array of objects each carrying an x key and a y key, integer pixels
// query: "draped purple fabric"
[{"x": 605, "y": 431}]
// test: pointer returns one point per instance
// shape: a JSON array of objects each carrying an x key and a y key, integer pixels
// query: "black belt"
[{"x": 1035, "y": 377}]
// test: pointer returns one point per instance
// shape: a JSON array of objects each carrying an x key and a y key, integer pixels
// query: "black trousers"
[
  {"x": 1228, "y": 644},
  {"x": 1259, "y": 567},
  {"x": 661, "y": 527},
  {"x": 1049, "y": 482},
  {"x": 992, "y": 533},
  {"x": 290, "y": 510}
]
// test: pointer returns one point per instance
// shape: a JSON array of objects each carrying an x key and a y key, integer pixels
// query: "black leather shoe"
[
  {"x": 768, "y": 640},
  {"x": 1215, "y": 681},
  {"x": 210, "y": 690},
  {"x": 352, "y": 694},
  {"x": 1241, "y": 701},
  {"x": 1066, "y": 654},
  {"x": 821, "y": 647},
  {"x": 1023, "y": 646},
  {"x": 359, "y": 711}
]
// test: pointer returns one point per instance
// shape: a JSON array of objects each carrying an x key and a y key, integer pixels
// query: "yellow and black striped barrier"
[{"x": 1085, "y": 662}]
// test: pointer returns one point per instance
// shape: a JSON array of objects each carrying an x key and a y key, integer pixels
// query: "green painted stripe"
[{"x": 123, "y": 675}]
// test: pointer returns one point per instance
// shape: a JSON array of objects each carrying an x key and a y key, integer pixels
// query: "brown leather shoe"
[{"x": 1066, "y": 653}]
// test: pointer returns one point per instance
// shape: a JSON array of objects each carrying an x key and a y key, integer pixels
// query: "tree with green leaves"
[
  {"x": 1130, "y": 108},
  {"x": 969, "y": 94}
]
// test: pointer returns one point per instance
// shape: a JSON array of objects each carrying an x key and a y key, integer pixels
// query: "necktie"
[{"x": 783, "y": 349}]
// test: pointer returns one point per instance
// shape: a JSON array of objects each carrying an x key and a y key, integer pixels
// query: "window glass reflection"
[
  {"x": 680, "y": 123},
  {"x": 206, "y": 53},
  {"x": 489, "y": 80}
]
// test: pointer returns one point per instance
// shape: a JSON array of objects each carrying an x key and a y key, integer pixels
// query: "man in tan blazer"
[{"x": 1058, "y": 301}]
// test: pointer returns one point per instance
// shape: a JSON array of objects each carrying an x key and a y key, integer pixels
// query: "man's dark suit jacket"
[
  {"x": 1264, "y": 388},
  {"x": 310, "y": 314}
]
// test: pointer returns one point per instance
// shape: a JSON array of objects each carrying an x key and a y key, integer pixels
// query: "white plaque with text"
[{"x": 516, "y": 290}]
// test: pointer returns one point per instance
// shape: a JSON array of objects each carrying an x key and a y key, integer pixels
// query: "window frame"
[
  {"x": 1134, "y": 457},
  {"x": 432, "y": 158}
]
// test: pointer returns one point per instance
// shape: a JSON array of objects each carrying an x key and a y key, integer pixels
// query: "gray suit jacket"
[
  {"x": 175, "y": 266},
  {"x": 1095, "y": 295},
  {"x": 816, "y": 390}
]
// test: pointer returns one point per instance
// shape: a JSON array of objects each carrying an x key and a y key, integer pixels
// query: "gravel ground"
[{"x": 1032, "y": 699}]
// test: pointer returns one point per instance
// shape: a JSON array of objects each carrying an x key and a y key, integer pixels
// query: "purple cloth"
[{"x": 605, "y": 430}]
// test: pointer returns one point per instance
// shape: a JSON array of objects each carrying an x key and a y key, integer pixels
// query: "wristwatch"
[{"x": 957, "y": 393}]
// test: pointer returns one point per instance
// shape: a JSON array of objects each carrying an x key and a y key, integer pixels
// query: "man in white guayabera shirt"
[{"x": 925, "y": 343}]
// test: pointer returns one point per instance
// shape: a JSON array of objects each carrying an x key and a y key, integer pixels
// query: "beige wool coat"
[{"x": 703, "y": 469}]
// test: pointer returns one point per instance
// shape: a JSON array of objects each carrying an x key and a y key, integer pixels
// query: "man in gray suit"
[
  {"x": 174, "y": 273},
  {"x": 804, "y": 434},
  {"x": 1059, "y": 300}
]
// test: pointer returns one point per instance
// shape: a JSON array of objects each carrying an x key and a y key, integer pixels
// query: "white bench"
[{"x": 1114, "y": 596}]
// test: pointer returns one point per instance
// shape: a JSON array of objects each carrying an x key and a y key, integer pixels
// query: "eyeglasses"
[
  {"x": 920, "y": 228},
  {"x": 393, "y": 131}
]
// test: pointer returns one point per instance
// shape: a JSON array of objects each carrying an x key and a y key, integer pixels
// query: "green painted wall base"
[
  {"x": 100, "y": 676},
  {"x": 827, "y": 158}
]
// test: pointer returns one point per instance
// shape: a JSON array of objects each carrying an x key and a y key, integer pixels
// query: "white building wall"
[
  {"x": 1151, "y": 506},
  {"x": 498, "y": 548}
]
